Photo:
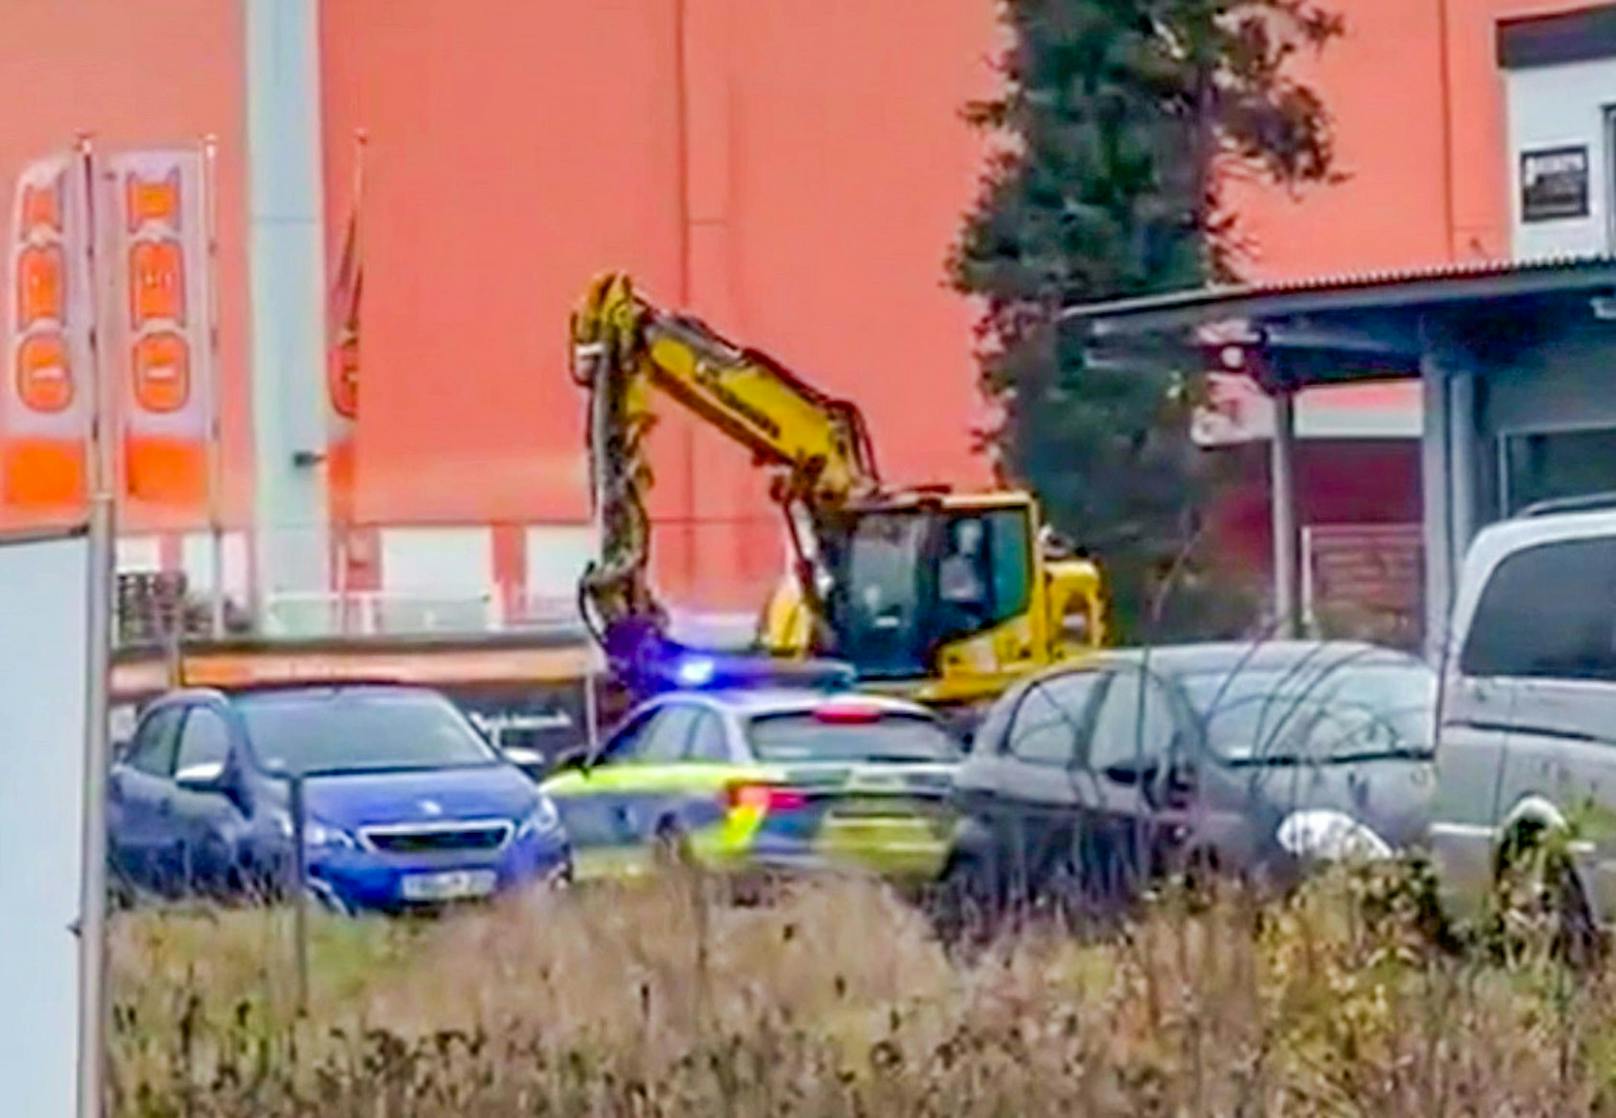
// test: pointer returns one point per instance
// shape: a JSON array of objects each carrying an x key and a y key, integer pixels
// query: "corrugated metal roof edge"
[{"x": 1337, "y": 282}]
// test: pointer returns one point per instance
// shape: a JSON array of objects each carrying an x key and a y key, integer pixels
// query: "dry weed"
[{"x": 836, "y": 999}]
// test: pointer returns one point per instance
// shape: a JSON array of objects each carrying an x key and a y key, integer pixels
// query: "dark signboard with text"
[{"x": 1554, "y": 183}]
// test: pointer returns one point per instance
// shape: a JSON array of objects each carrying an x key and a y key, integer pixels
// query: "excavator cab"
[
  {"x": 952, "y": 594},
  {"x": 910, "y": 579}
]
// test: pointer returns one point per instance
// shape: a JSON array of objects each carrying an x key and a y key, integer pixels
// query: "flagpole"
[
  {"x": 344, "y": 501},
  {"x": 98, "y": 655},
  {"x": 210, "y": 378}
]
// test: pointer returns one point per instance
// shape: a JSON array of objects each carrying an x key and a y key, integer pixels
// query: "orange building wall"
[
  {"x": 153, "y": 73},
  {"x": 1426, "y": 162},
  {"x": 516, "y": 147},
  {"x": 519, "y": 145}
]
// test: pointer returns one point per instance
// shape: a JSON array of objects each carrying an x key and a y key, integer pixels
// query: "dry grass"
[{"x": 835, "y": 999}]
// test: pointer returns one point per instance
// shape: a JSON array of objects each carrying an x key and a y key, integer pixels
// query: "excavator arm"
[{"x": 624, "y": 350}]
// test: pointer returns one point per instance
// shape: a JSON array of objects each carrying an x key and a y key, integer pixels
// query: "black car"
[{"x": 1255, "y": 758}]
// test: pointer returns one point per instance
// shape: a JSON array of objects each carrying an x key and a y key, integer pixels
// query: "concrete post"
[
  {"x": 287, "y": 260},
  {"x": 1282, "y": 503},
  {"x": 1436, "y": 486},
  {"x": 1463, "y": 446}
]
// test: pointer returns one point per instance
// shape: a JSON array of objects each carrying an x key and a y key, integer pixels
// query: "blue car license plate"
[{"x": 449, "y": 885}]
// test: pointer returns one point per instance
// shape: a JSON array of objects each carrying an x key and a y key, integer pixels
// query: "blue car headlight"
[
  {"x": 323, "y": 836},
  {"x": 540, "y": 818}
]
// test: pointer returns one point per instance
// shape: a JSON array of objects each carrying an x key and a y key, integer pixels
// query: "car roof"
[
  {"x": 310, "y": 689},
  {"x": 1230, "y": 656},
  {"x": 762, "y": 701},
  {"x": 1507, "y": 536}
]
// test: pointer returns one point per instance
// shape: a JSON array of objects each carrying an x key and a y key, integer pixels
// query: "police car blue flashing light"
[
  {"x": 696, "y": 671},
  {"x": 691, "y": 671}
]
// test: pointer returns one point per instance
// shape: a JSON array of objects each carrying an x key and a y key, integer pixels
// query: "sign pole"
[
  {"x": 300, "y": 894},
  {"x": 210, "y": 351},
  {"x": 100, "y": 568}
]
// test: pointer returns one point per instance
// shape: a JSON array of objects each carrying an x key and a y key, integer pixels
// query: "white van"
[{"x": 1526, "y": 716}]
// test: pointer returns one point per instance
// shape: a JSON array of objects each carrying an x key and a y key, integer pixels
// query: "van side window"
[{"x": 1548, "y": 611}]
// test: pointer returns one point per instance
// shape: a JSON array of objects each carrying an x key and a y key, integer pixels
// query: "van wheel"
[{"x": 1541, "y": 904}]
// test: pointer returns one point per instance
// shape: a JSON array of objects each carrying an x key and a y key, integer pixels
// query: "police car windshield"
[
  {"x": 803, "y": 736},
  {"x": 358, "y": 730}
]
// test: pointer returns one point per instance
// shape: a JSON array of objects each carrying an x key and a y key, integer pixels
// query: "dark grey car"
[{"x": 1249, "y": 758}]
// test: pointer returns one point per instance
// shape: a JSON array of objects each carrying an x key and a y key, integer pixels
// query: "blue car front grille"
[{"x": 444, "y": 838}]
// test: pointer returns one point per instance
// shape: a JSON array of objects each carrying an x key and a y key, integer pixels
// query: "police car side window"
[
  {"x": 669, "y": 736},
  {"x": 708, "y": 742},
  {"x": 625, "y": 744}
]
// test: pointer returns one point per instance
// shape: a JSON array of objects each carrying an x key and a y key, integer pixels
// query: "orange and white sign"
[
  {"x": 46, "y": 405},
  {"x": 161, "y": 271}
]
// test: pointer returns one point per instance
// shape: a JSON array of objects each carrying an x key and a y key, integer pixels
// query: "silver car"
[{"x": 1527, "y": 713}]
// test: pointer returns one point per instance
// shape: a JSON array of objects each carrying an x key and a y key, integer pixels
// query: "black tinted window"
[
  {"x": 1052, "y": 720},
  {"x": 1548, "y": 611}
]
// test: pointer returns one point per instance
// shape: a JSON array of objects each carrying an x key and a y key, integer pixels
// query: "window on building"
[{"x": 1551, "y": 466}]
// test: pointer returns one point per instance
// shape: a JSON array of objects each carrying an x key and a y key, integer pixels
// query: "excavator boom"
[
  {"x": 624, "y": 347},
  {"x": 946, "y": 596}
]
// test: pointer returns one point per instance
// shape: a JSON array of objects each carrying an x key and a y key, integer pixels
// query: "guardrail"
[{"x": 154, "y": 621}]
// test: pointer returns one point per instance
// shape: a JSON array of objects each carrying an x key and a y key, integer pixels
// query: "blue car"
[{"x": 405, "y": 805}]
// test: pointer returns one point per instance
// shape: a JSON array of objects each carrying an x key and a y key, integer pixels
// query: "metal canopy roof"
[{"x": 1391, "y": 292}]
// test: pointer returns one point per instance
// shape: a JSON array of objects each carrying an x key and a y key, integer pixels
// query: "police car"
[{"x": 764, "y": 778}]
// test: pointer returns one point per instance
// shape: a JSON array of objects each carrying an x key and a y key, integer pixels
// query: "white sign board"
[{"x": 42, "y": 683}]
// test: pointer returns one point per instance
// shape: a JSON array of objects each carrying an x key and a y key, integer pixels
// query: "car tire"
[
  {"x": 122, "y": 894},
  {"x": 562, "y": 879},
  {"x": 670, "y": 847},
  {"x": 1538, "y": 891},
  {"x": 965, "y": 909}
]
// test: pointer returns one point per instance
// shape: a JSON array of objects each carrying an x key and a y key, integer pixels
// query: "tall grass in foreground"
[{"x": 836, "y": 999}]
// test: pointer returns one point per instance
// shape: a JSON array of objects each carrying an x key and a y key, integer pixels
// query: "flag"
[
  {"x": 47, "y": 402},
  {"x": 160, "y": 322},
  {"x": 352, "y": 548},
  {"x": 342, "y": 318}
]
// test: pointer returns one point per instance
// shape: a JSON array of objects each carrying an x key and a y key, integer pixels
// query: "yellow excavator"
[{"x": 941, "y": 596}]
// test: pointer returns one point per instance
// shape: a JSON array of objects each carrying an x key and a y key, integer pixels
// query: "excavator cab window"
[
  {"x": 878, "y": 608},
  {"x": 908, "y": 580},
  {"x": 985, "y": 572}
]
